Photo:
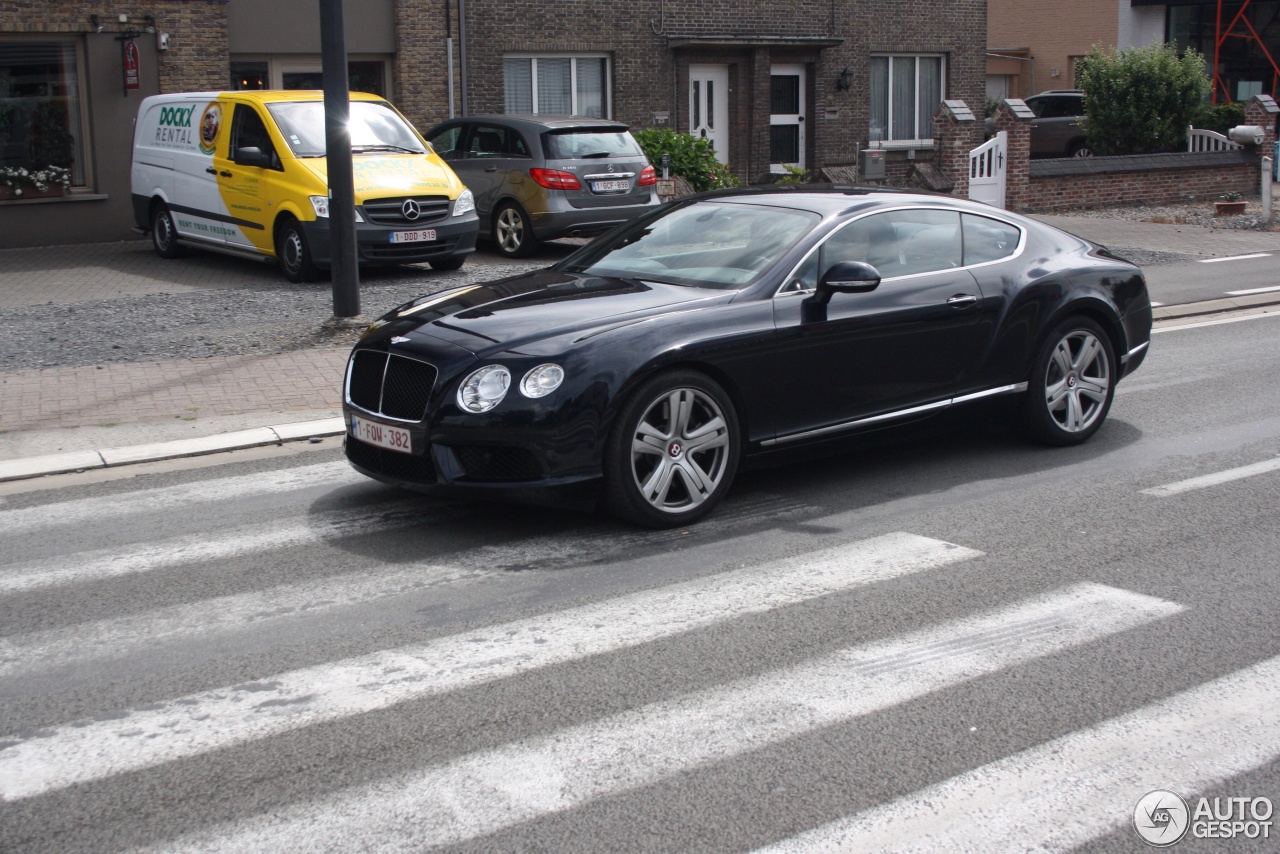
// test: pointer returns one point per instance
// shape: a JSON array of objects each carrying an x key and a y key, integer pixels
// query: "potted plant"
[
  {"x": 1229, "y": 205},
  {"x": 18, "y": 182}
]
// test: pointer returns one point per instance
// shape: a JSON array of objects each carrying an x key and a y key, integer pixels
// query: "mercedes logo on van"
[{"x": 410, "y": 210}]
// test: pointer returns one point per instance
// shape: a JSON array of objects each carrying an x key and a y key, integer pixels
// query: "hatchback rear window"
[{"x": 579, "y": 144}]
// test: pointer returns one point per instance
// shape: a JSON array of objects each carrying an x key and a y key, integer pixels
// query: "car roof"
[
  {"x": 830, "y": 199},
  {"x": 529, "y": 121}
]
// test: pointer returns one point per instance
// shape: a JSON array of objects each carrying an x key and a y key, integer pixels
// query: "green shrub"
[
  {"x": 793, "y": 175},
  {"x": 1219, "y": 117},
  {"x": 691, "y": 157},
  {"x": 1142, "y": 99}
]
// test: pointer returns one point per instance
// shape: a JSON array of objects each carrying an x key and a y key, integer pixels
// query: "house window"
[
  {"x": 905, "y": 91},
  {"x": 564, "y": 85},
  {"x": 40, "y": 107}
]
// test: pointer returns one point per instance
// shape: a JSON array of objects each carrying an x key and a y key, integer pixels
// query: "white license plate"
[
  {"x": 382, "y": 435},
  {"x": 413, "y": 236},
  {"x": 610, "y": 186}
]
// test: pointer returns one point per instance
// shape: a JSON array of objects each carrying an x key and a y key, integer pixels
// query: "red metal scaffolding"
[{"x": 1220, "y": 38}]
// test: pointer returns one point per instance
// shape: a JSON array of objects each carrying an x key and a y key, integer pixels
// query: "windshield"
[
  {"x": 375, "y": 128},
  {"x": 709, "y": 244},
  {"x": 574, "y": 145}
]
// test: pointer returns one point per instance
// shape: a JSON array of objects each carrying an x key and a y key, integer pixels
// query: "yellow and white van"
[{"x": 245, "y": 172}]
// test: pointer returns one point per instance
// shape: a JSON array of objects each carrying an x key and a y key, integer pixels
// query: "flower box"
[
  {"x": 1228, "y": 208},
  {"x": 8, "y": 194}
]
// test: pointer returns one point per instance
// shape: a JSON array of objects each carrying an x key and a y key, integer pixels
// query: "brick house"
[{"x": 797, "y": 82}]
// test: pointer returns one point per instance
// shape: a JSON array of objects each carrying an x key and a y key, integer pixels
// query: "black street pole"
[{"x": 337, "y": 138}]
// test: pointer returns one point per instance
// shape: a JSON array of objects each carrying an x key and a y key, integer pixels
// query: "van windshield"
[{"x": 375, "y": 128}]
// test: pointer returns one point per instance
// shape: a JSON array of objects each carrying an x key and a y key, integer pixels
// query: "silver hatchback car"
[{"x": 538, "y": 178}]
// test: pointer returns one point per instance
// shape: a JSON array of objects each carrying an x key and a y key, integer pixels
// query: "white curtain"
[
  {"x": 555, "y": 86},
  {"x": 930, "y": 93},
  {"x": 879, "y": 99},
  {"x": 902, "y": 122},
  {"x": 517, "y": 80},
  {"x": 590, "y": 88}
]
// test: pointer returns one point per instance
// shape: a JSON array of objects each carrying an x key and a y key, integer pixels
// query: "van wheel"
[
  {"x": 164, "y": 235},
  {"x": 294, "y": 254},
  {"x": 513, "y": 233}
]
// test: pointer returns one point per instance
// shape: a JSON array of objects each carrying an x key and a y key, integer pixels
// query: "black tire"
[
  {"x": 164, "y": 234},
  {"x": 1072, "y": 383},
  {"x": 294, "y": 253},
  {"x": 652, "y": 478},
  {"x": 512, "y": 232},
  {"x": 454, "y": 262}
]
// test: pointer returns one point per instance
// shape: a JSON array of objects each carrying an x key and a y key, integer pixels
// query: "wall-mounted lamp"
[
  {"x": 151, "y": 23},
  {"x": 844, "y": 81},
  {"x": 96, "y": 24}
]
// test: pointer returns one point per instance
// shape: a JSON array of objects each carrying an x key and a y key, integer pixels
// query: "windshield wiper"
[{"x": 361, "y": 149}]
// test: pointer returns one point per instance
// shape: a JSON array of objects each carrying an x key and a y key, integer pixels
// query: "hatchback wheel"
[
  {"x": 513, "y": 233},
  {"x": 164, "y": 235},
  {"x": 673, "y": 452},
  {"x": 1072, "y": 383}
]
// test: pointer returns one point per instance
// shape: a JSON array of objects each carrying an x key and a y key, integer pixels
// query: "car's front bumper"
[{"x": 454, "y": 238}]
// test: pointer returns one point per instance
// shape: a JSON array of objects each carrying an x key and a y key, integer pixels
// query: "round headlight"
[
  {"x": 484, "y": 389},
  {"x": 542, "y": 380}
]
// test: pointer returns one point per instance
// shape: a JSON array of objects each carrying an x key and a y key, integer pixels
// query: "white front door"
[
  {"x": 709, "y": 106},
  {"x": 786, "y": 117}
]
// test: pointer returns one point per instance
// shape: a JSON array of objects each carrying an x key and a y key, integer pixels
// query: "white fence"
[
  {"x": 1208, "y": 140},
  {"x": 988, "y": 164}
]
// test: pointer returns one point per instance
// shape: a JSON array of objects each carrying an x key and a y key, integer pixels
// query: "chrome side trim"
[
  {"x": 901, "y": 413},
  {"x": 1135, "y": 351},
  {"x": 1016, "y": 388}
]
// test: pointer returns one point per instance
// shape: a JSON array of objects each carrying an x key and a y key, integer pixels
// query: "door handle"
[
  {"x": 212, "y": 171},
  {"x": 225, "y": 174},
  {"x": 491, "y": 168},
  {"x": 963, "y": 301}
]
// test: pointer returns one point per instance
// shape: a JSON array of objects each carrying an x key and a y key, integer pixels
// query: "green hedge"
[
  {"x": 691, "y": 157},
  {"x": 1141, "y": 100}
]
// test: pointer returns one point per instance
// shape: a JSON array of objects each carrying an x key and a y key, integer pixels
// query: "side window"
[
  {"x": 249, "y": 131},
  {"x": 928, "y": 241},
  {"x": 988, "y": 239},
  {"x": 446, "y": 142},
  {"x": 488, "y": 141}
]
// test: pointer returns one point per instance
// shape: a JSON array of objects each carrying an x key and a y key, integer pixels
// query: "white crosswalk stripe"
[
  {"x": 1062, "y": 794},
  {"x": 483, "y": 793},
  {"x": 191, "y": 725}
]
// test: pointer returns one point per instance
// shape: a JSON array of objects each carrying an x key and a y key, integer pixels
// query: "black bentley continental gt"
[{"x": 720, "y": 329}]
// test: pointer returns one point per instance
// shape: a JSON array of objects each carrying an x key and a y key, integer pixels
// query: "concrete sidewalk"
[{"x": 67, "y": 419}]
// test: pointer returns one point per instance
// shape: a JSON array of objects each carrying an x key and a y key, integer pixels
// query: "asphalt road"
[{"x": 956, "y": 642}]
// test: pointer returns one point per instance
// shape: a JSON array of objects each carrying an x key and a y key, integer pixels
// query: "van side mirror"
[
  {"x": 846, "y": 277},
  {"x": 252, "y": 156}
]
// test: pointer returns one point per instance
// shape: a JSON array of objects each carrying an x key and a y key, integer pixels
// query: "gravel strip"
[
  {"x": 159, "y": 327},
  {"x": 1191, "y": 213}
]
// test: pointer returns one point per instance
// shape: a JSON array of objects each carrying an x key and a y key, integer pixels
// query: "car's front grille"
[
  {"x": 391, "y": 385},
  {"x": 392, "y": 211},
  {"x": 498, "y": 463},
  {"x": 407, "y": 467}
]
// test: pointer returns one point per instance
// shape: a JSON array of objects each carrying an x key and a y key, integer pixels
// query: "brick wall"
[
  {"x": 1189, "y": 182},
  {"x": 197, "y": 58}
]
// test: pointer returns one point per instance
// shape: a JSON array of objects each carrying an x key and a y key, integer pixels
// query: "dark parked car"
[
  {"x": 1058, "y": 129},
  {"x": 538, "y": 178},
  {"x": 725, "y": 328}
]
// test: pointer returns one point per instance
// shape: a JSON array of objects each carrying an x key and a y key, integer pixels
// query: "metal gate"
[{"x": 988, "y": 164}]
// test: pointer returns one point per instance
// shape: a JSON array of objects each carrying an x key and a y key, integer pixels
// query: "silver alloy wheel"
[
  {"x": 680, "y": 450},
  {"x": 1077, "y": 381},
  {"x": 509, "y": 230}
]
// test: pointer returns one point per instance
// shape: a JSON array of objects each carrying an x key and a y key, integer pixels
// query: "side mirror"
[
  {"x": 252, "y": 156},
  {"x": 846, "y": 277}
]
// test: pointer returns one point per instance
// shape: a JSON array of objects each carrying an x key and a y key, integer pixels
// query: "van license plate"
[
  {"x": 610, "y": 186},
  {"x": 382, "y": 435},
  {"x": 413, "y": 236}
]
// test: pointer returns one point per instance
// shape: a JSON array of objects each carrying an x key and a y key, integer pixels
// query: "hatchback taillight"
[
  {"x": 554, "y": 179},
  {"x": 648, "y": 177}
]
